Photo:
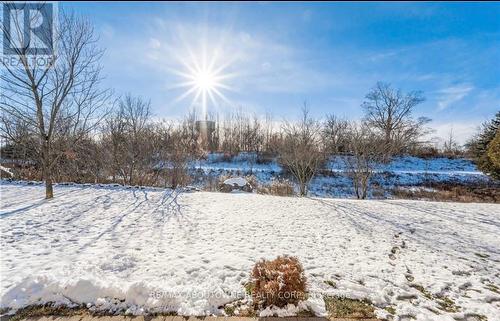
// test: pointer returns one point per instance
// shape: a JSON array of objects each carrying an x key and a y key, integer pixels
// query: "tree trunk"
[
  {"x": 49, "y": 190},
  {"x": 47, "y": 176},
  {"x": 303, "y": 188},
  {"x": 47, "y": 169}
]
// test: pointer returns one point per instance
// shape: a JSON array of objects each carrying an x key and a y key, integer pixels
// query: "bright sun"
[
  {"x": 205, "y": 80},
  {"x": 204, "y": 76}
]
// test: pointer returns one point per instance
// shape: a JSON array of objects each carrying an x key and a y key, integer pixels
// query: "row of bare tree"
[
  {"x": 387, "y": 129},
  {"x": 60, "y": 119}
]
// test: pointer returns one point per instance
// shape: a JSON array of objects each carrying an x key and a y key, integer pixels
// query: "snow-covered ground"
[
  {"x": 190, "y": 252},
  {"x": 402, "y": 171}
]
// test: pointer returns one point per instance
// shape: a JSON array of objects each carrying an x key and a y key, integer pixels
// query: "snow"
[
  {"x": 287, "y": 311},
  {"x": 411, "y": 164},
  {"x": 238, "y": 181},
  {"x": 142, "y": 250},
  {"x": 404, "y": 171}
]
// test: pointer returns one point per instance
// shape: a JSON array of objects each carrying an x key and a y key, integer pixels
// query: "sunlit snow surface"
[{"x": 155, "y": 250}]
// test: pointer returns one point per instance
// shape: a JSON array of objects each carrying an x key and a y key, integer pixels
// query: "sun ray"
[
  {"x": 221, "y": 96},
  {"x": 204, "y": 76},
  {"x": 212, "y": 98},
  {"x": 195, "y": 99},
  {"x": 222, "y": 86},
  {"x": 185, "y": 94}
]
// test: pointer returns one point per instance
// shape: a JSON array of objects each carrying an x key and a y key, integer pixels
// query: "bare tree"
[
  {"x": 299, "y": 149},
  {"x": 61, "y": 102},
  {"x": 335, "y": 134},
  {"x": 390, "y": 111},
  {"x": 268, "y": 132},
  {"x": 83, "y": 163},
  {"x": 192, "y": 133},
  {"x": 450, "y": 145},
  {"x": 90, "y": 160},
  {"x": 179, "y": 154},
  {"x": 368, "y": 150},
  {"x": 129, "y": 137}
]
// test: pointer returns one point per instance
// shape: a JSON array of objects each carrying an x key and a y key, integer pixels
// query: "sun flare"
[{"x": 204, "y": 78}]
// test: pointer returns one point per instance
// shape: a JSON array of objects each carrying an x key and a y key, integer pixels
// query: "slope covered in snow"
[
  {"x": 145, "y": 250},
  {"x": 333, "y": 181}
]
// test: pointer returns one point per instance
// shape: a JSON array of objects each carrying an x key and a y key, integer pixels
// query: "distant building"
[{"x": 206, "y": 132}]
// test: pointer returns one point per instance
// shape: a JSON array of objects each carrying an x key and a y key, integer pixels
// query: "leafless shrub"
[
  {"x": 451, "y": 148},
  {"x": 368, "y": 150},
  {"x": 452, "y": 192},
  {"x": 278, "y": 282},
  {"x": 240, "y": 132},
  {"x": 129, "y": 140},
  {"x": 426, "y": 151},
  {"x": 84, "y": 163},
  {"x": 299, "y": 151},
  {"x": 180, "y": 148},
  {"x": 278, "y": 187}
]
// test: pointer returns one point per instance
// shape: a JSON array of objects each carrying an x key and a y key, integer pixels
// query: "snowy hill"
[
  {"x": 333, "y": 181},
  {"x": 144, "y": 250}
]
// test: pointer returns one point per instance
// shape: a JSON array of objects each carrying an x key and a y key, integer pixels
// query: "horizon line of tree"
[{"x": 130, "y": 147}]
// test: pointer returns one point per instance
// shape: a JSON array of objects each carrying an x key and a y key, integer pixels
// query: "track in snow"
[{"x": 96, "y": 242}]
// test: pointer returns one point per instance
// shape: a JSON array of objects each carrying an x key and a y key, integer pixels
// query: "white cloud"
[
  {"x": 462, "y": 130},
  {"x": 154, "y": 43},
  {"x": 453, "y": 94}
]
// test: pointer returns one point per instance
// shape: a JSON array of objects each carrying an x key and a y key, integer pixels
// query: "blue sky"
[{"x": 275, "y": 56}]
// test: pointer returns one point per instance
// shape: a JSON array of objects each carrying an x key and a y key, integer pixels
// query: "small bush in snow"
[
  {"x": 278, "y": 282},
  {"x": 278, "y": 188},
  {"x": 281, "y": 188}
]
